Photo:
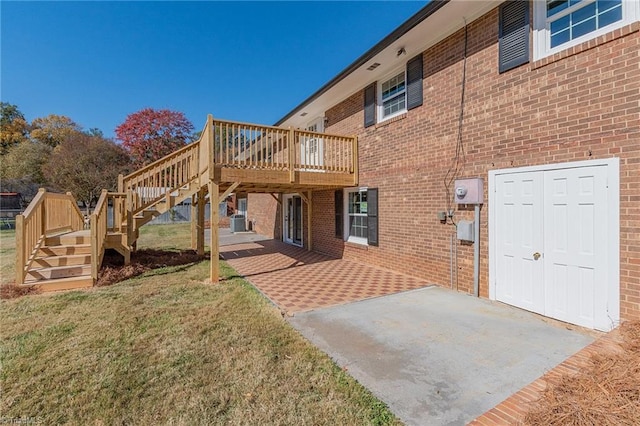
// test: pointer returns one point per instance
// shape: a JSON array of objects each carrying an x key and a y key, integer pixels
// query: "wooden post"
[
  {"x": 292, "y": 155},
  {"x": 120, "y": 183},
  {"x": 194, "y": 219},
  {"x": 94, "y": 247},
  {"x": 130, "y": 221},
  {"x": 309, "y": 217},
  {"x": 355, "y": 160},
  {"x": 20, "y": 257},
  {"x": 214, "y": 220},
  {"x": 200, "y": 223}
]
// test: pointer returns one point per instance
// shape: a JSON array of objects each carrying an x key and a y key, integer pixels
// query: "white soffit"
[{"x": 444, "y": 22}]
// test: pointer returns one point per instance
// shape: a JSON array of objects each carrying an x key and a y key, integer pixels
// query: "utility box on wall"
[
  {"x": 469, "y": 191},
  {"x": 465, "y": 230}
]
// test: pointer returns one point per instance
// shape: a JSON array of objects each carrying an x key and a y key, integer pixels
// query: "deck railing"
[
  {"x": 245, "y": 145},
  {"x": 47, "y": 214}
]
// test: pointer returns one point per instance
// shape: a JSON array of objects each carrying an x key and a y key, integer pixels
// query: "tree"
[
  {"x": 85, "y": 164},
  {"x": 13, "y": 127},
  {"x": 53, "y": 129},
  {"x": 25, "y": 161},
  {"x": 150, "y": 134}
]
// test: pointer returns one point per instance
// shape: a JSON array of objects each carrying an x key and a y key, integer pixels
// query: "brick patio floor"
[{"x": 298, "y": 280}]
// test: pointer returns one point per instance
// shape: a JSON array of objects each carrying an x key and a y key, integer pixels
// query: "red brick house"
[{"x": 539, "y": 102}]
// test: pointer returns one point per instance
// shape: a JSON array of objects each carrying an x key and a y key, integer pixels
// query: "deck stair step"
[
  {"x": 69, "y": 283},
  {"x": 62, "y": 260},
  {"x": 64, "y": 250},
  {"x": 54, "y": 272},
  {"x": 71, "y": 238}
]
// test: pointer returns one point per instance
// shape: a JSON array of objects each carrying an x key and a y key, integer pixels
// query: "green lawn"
[
  {"x": 7, "y": 256},
  {"x": 165, "y": 348}
]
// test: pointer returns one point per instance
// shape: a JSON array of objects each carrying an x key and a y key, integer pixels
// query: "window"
[
  {"x": 357, "y": 210},
  {"x": 393, "y": 96},
  {"x": 361, "y": 215},
  {"x": 564, "y": 23}
]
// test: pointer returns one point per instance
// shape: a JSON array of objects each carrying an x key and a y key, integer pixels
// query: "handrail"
[
  {"x": 98, "y": 223},
  {"x": 48, "y": 213}
]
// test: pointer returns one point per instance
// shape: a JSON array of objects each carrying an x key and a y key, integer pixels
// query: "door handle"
[{"x": 536, "y": 256}]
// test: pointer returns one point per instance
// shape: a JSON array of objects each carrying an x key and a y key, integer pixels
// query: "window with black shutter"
[
  {"x": 372, "y": 216},
  {"x": 513, "y": 47},
  {"x": 339, "y": 208},
  {"x": 414, "y": 82},
  {"x": 370, "y": 105}
]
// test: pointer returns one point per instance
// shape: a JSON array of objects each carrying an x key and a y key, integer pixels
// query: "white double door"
[{"x": 552, "y": 243}]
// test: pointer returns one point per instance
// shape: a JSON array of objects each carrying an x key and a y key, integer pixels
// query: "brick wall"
[
  {"x": 580, "y": 104},
  {"x": 577, "y": 105},
  {"x": 264, "y": 215}
]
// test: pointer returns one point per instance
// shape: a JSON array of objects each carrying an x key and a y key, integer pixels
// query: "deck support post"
[
  {"x": 214, "y": 221},
  {"x": 194, "y": 222},
  {"x": 308, "y": 199},
  {"x": 200, "y": 221}
]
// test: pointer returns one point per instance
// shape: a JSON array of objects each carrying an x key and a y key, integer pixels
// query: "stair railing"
[
  {"x": 100, "y": 219},
  {"x": 47, "y": 214}
]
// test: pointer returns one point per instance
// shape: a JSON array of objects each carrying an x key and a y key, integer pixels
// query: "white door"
[
  {"x": 519, "y": 218},
  {"x": 552, "y": 253},
  {"x": 292, "y": 226},
  {"x": 575, "y": 249},
  {"x": 312, "y": 147}
]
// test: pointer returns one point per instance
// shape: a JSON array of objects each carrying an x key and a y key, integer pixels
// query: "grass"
[
  {"x": 174, "y": 236},
  {"x": 165, "y": 348},
  {"x": 7, "y": 256}
]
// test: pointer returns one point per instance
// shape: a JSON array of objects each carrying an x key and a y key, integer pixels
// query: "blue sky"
[{"x": 97, "y": 62}]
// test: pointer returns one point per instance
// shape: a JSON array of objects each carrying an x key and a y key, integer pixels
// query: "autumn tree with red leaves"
[{"x": 150, "y": 134}]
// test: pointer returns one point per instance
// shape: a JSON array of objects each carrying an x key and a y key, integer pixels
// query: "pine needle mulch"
[{"x": 606, "y": 392}]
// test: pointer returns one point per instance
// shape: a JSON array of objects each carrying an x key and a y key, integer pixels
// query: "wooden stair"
[{"x": 62, "y": 263}]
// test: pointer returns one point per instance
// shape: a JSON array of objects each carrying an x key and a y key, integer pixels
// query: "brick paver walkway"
[{"x": 298, "y": 280}]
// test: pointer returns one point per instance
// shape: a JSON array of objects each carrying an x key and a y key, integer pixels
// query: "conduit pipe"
[{"x": 476, "y": 252}]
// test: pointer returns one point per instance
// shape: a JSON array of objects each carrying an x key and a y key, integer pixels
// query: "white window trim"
[
  {"x": 379, "y": 103},
  {"x": 346, "y": 227},
  {"x": 542, "y": 32}
]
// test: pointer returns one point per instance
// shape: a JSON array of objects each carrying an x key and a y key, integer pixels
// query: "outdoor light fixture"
[{"x": 401, "y": 52}]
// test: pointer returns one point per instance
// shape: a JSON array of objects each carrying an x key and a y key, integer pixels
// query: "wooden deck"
[{"x": 228, "y": 157}]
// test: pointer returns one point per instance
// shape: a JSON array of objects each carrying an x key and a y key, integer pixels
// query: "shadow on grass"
[{"x": 114, "y": 270}]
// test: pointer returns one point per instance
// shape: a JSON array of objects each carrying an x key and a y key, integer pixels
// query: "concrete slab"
[
  {"x": 226, "y": 237},
  {"x": 438, "y": 357}
]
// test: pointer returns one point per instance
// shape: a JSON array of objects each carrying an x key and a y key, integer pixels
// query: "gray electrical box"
[
  {"x": 469, "y": 191},
  {"x": 465, "y": 230}
]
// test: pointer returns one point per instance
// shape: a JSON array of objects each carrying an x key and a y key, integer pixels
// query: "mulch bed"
[
  {"x": 12, "y": 291},
  {"x": 113, "y": 269},
  {"x": 606, "y": 393}
]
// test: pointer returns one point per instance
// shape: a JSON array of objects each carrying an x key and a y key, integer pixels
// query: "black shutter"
[
  {"x": 372, "y": 216},
  {"x": 414, "y": 82},
  {"x": 370, "y": 105},
  {"x": 513, "y": 48},
  {"x": 338, "y": 206}
]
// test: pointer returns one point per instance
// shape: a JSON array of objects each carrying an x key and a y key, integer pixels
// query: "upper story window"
[
  {"x": 561, "y": 24},
  {"x": 393, "y": 96}
]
